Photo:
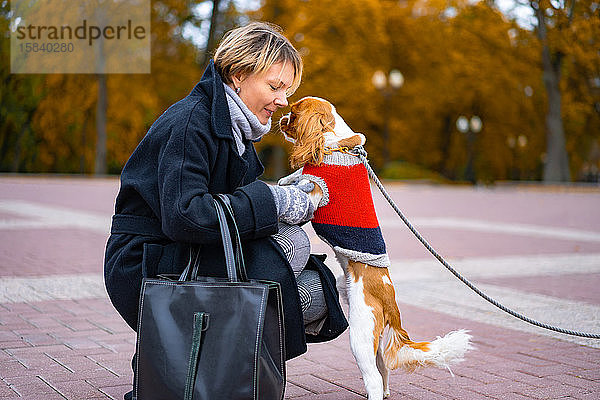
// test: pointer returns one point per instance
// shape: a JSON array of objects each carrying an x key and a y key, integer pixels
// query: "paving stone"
[
  {"x": 555, "y": 392},
  {"x": 416, "y": 392},
  {"x": 13, "y": 368},
  {"x": 14, "y": 344},
  {"x": 292, "y": 391},
  {"x": 115, "y": 392},
  {"x": 494, "y": 388},
  {"x": 43, "y": 322},
  {"x": 594, "y": 395},
  {"x": 79, "y": 343},
  {"x": 106, "y": 380},
  {"x": 39, "y": 339},
  {"x": 4, "y": 356},
  {"x": 550, "y": 370},
  {"x": 6, "y": 391},
  {"x": 332, "y": 396},
  {"x": 30, "y": 387},
  {"x": 7, "y": 336},
  {"x": 518, "y": 376},
  {"x": 509, "y": 396},
  {"x": 315, "y": 383},
  {"x": 459, "y": 388},
  {"x": 76, "y": 389},
  {"x": 479, "y": 375},
  {"x": 591, "y": 374},
  {"x": 577, "y": 381}
]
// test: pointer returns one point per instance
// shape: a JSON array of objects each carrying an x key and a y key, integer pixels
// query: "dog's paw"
[{"x": 305, "y": 185}]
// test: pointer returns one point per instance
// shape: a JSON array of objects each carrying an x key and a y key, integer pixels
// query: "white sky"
[{"x": 523, "y": 14}]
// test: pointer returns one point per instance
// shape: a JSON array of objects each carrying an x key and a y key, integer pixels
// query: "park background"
[{"x": 481, "y": 91}]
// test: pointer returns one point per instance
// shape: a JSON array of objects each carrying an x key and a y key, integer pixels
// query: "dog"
[{"x": 345, "y": 219}]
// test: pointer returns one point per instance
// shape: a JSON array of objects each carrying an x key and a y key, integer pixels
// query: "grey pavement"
[{"x": 535, "y": 249}]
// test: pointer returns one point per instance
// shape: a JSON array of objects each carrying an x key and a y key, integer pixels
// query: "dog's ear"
[
  {"x": 284, "y": 123},
  {"x": 353, "y": 141},
  {"x": 313, "y": 118}
]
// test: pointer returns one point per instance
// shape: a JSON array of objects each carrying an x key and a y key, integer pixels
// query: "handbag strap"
[
  {"x": 239, "y": 255},
  {"x": 193, "y": 261},
  {"x": 227, "y": 244},
  {"x": 199, "y": 327},
  {"x": 236, "y": 268}
]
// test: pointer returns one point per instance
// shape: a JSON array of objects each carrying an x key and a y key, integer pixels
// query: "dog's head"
[{"x": 312, "y": 125}]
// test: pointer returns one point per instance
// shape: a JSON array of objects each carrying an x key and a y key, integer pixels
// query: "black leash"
[{"x": 362, "y": 154}]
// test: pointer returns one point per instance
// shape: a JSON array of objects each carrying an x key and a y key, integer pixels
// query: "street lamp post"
[
  {"x": 387, "y": 86},
  {"x": 470, "y": 128},
  {"x": 516, "y": 145}
]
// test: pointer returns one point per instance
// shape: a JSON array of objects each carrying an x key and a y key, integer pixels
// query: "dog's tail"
[{"x": 400, "y": 351}]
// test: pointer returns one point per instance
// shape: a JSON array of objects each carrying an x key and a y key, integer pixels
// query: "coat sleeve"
[{"x": 187, "y": 209}]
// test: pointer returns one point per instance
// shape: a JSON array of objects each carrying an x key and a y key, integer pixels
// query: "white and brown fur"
[{"x": 313, "y": 125}]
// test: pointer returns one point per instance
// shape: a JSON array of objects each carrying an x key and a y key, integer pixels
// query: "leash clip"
[{"x": 359, "y": 150}]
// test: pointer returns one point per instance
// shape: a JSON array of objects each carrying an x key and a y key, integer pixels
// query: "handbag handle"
[
  {"x": 234, "y": 262},
  {"x": 230, "y": 263},
  {"x": 239, "y": 255}
]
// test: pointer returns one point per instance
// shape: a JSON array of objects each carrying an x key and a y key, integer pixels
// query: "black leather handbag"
[{"x": 207, "y": 338}]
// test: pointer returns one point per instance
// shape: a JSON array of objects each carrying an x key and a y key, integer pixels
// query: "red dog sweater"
[{"x": 346, "y": 217}]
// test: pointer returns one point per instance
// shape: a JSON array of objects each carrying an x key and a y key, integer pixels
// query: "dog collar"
[{"x": 343, "y": 149}]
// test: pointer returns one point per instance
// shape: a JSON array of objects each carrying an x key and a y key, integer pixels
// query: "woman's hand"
[{"x": 293, "y": 203}]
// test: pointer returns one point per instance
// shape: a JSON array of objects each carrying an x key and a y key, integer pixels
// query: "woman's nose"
[{"x": 281, "y": 100}]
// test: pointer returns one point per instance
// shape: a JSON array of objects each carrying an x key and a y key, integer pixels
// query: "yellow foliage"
[
  {"x": 457, "y": 57},
  {"x": 468, "y": 60}
]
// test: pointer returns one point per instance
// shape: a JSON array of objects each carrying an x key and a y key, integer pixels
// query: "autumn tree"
[
  {"x": 557, "y": 162},
  {"x": 342, "y": 44},
  {"x": 64, "y": 120},
  {"x": 457, "y": 58},
  {"x": 568, "y": 33},
  {"x": 19, "y": 97}
]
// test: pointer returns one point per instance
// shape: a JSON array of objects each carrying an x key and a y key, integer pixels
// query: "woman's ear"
[{"x": 237, "y": 79}]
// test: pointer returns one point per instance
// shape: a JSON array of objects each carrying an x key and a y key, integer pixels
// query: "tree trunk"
[
  {"x": 211, "y": 42},
  {"x": 100, "y": 164},
  {"x": 17, "y": 149},
  {"x": 84, "y": 129},
  {"x": 556, "y": 167}
]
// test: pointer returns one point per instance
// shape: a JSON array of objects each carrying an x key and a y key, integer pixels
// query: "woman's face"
[{"x": 264, "y": 93}]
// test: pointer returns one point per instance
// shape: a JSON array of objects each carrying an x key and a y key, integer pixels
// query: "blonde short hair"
[{"x": 253, "y": 49}]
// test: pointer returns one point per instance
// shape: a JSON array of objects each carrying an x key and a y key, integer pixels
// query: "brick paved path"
[{"x": 537, "y": 249}]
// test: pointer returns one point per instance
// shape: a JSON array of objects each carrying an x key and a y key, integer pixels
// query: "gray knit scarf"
[{"x": 244, "y": 123}]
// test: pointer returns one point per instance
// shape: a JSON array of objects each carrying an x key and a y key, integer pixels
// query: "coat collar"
[{"x": 211, "y": 85}]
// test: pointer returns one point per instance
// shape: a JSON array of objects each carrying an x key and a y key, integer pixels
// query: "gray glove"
[{"x": 293, "y": 204}]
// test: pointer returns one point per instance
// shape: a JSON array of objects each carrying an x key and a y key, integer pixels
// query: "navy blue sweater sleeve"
[{"x": 185, "y": 169}]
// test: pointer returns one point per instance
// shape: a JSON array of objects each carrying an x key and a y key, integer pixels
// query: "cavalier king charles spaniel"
[{"x": 345, "y": 219}]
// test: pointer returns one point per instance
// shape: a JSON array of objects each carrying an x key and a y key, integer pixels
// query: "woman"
[{"x": 203, "y": 145}]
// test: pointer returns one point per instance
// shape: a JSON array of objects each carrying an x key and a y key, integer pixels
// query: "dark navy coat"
[{"x": 165, "y": 205}]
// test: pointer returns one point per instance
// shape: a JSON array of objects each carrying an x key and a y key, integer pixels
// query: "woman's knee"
[{"x": 295, "y": 244}]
